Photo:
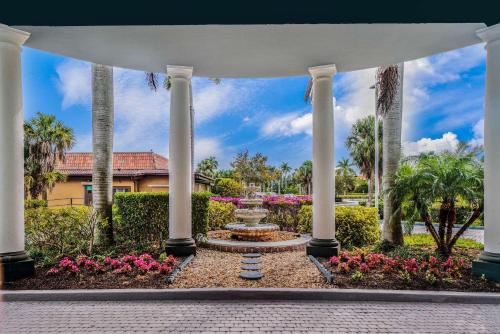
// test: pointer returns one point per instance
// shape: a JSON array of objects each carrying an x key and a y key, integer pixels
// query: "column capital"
[
  {"x": 489, "y": 34},
  {"x": 13, "y": 36},
  {"x": 183, "y": 72},
  {"x": 323, "y": 71}
]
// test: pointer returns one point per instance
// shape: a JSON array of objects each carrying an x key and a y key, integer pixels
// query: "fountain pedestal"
[{"x": 250, "y": 228}]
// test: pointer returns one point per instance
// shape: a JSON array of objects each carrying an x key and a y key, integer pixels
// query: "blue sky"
[{"x": 443, "y": 104}]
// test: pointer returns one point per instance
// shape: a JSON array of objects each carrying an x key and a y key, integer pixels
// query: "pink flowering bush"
[
  {"x": 128, "y": 264},
  {"x": 430, "y": 269}
]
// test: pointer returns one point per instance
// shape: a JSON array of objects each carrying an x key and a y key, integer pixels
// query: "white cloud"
[
  {"x": 288, "y": 125},
  {"x": 74, "y": 83},
  {"x": 142, "y": 115},
  {"x": 448, "y": 142},
  {"x": 205, "y": 147},
  {"x": 478, "y": 131}
]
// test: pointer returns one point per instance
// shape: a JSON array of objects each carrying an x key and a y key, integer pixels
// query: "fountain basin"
[
  {"x": 251, "y": 217},
  {"x": 252, "y": 233},
  {"x": 251, "y": 201}
]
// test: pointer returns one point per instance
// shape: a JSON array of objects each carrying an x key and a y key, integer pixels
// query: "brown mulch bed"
[
  {"x": 377, "y": 279},
  {"x": 276, "y": 236},
  {"x": 109, "y": 280},
  {"x": 213, "y": 269},
  {"x": 208, "y": 269}
]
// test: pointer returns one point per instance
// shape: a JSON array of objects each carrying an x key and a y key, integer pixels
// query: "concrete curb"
[{"x": 352, "y": 295}]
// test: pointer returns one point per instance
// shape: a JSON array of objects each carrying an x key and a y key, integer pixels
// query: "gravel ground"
[{"x": 213, "y": 269}]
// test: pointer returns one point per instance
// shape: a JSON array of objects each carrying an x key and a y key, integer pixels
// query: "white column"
[
  {"x": 491, "y": 36},
  {"x": 11, "y": 142},
  {"x": 323, "y": 153},
  {"x": 180, "y": 156}
]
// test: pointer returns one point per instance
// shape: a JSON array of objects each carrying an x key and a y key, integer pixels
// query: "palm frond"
[
  {"x": 388, "y": 84},
  {"x": 152, "y": 80},
  {"x": 308, "y": 92}
]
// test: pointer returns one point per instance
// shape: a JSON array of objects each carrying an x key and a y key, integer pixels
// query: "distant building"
[{"x": 132, "y": 172}]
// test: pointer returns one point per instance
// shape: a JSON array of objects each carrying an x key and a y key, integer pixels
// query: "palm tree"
[
  {"x": 102, "y": 145},
  {"x": 208, "y": 166},
  {"x": 390, "y": 106},
  {"x": 303, "y": 174},
  {"x": 46, "y": 140},
  {"x": 361, "y": 146},
  {"x": 285, "y": 169},
  {"x": 344, "y": 167},
  {"x": 443, "y": 178}
]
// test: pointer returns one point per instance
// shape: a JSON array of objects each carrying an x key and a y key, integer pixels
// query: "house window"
[
  {"x": 121, "y": 190},
  {"x": 88, "y": 192},
  {"x": 87, "y": 198}
]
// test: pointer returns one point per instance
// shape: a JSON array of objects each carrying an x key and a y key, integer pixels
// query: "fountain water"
[{"x": 250, "y": 227}]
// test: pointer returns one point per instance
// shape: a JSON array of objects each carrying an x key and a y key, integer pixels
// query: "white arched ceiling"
[{"x": 252, "y": 50}]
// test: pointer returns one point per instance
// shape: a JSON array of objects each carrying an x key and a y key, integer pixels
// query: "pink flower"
[
  {"x": 344, "y": 267},
  {"x": 165, "y": 269},
  {"x": 115, "y": 264},
  {"x": 65, "y": 263},
  {"x": 334, "y": 261},
  {"x": 74, "y": 269},
  {"x": 146, "y": 257},
  {"x": 411, "y": 265},
  {"x": 125, "y": 269},
  {"x": 52, "y": 271},
  {"x": 80, "y": 261},
  {"x": 364, "y": 267},
  {"x": 154, "y": 265},
  {"x": 129, "y": 258},
  {"x": 108, "y": 260}
]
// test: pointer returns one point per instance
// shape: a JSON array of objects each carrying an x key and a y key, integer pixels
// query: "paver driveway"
[{"x": 251, "y": 316}]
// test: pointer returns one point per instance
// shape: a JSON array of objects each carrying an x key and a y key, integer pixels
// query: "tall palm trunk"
[
  {"x": 391, "y": 154},
  {"x": 371, "y": 189},
  {"x": 102, "y": 145}
]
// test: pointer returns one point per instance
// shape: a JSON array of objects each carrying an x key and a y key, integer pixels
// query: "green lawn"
[{"x": 422, "y": 239}]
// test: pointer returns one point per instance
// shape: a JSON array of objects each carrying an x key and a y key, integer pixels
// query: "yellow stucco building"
[{"x": 132, "y": 172}]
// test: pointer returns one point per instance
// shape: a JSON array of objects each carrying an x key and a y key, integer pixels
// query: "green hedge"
[
  {"x": 283, "y": 214},
  {"x": 52, "y": 233},
  {"x": 220, "y": 214},
  {"x": 354, "y": 226},
  {"x": 35, "y": 203},
  {"x": 226, "y": 187},
  {"x": 141, "y": 219}
]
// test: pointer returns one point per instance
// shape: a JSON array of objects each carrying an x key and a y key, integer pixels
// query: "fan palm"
[
  {"x": 303, "y": 174},
  {"x": 45, "y": 141},
  {"x": 285, "y": 169},
  {"x": 208, "y": 166},
  {"x": 361, "y": 146},
  {"x": 443, "y": 178}
]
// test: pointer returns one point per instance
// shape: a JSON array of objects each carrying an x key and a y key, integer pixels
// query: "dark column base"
[
  {"x": 323, "y": 248},
  {"x": 487, "y": 265},
  {"x": 181, "y": 247},
  {"x": 15, "y": 265}
]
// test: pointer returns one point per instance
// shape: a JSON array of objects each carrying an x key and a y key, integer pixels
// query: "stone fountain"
[{"x": 249, "y": 227}]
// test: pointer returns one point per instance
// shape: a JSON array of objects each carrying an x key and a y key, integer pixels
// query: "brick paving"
[{"x": 243, "y": 317}]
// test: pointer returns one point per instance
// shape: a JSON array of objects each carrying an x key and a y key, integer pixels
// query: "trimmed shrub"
[
  {"x": 226, "y": 187},
  {"x": 220, "y": 214},
  {"x": 284, "y": 212},
  {"x": 35, "y": 203},
  {"x": 355, "y": 226},
  {"x": 141, "y": 219},
  {"x": 52, "y": 233}
]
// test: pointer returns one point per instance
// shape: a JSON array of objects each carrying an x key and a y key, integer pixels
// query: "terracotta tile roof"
[{"x": 124, "y": 163}]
